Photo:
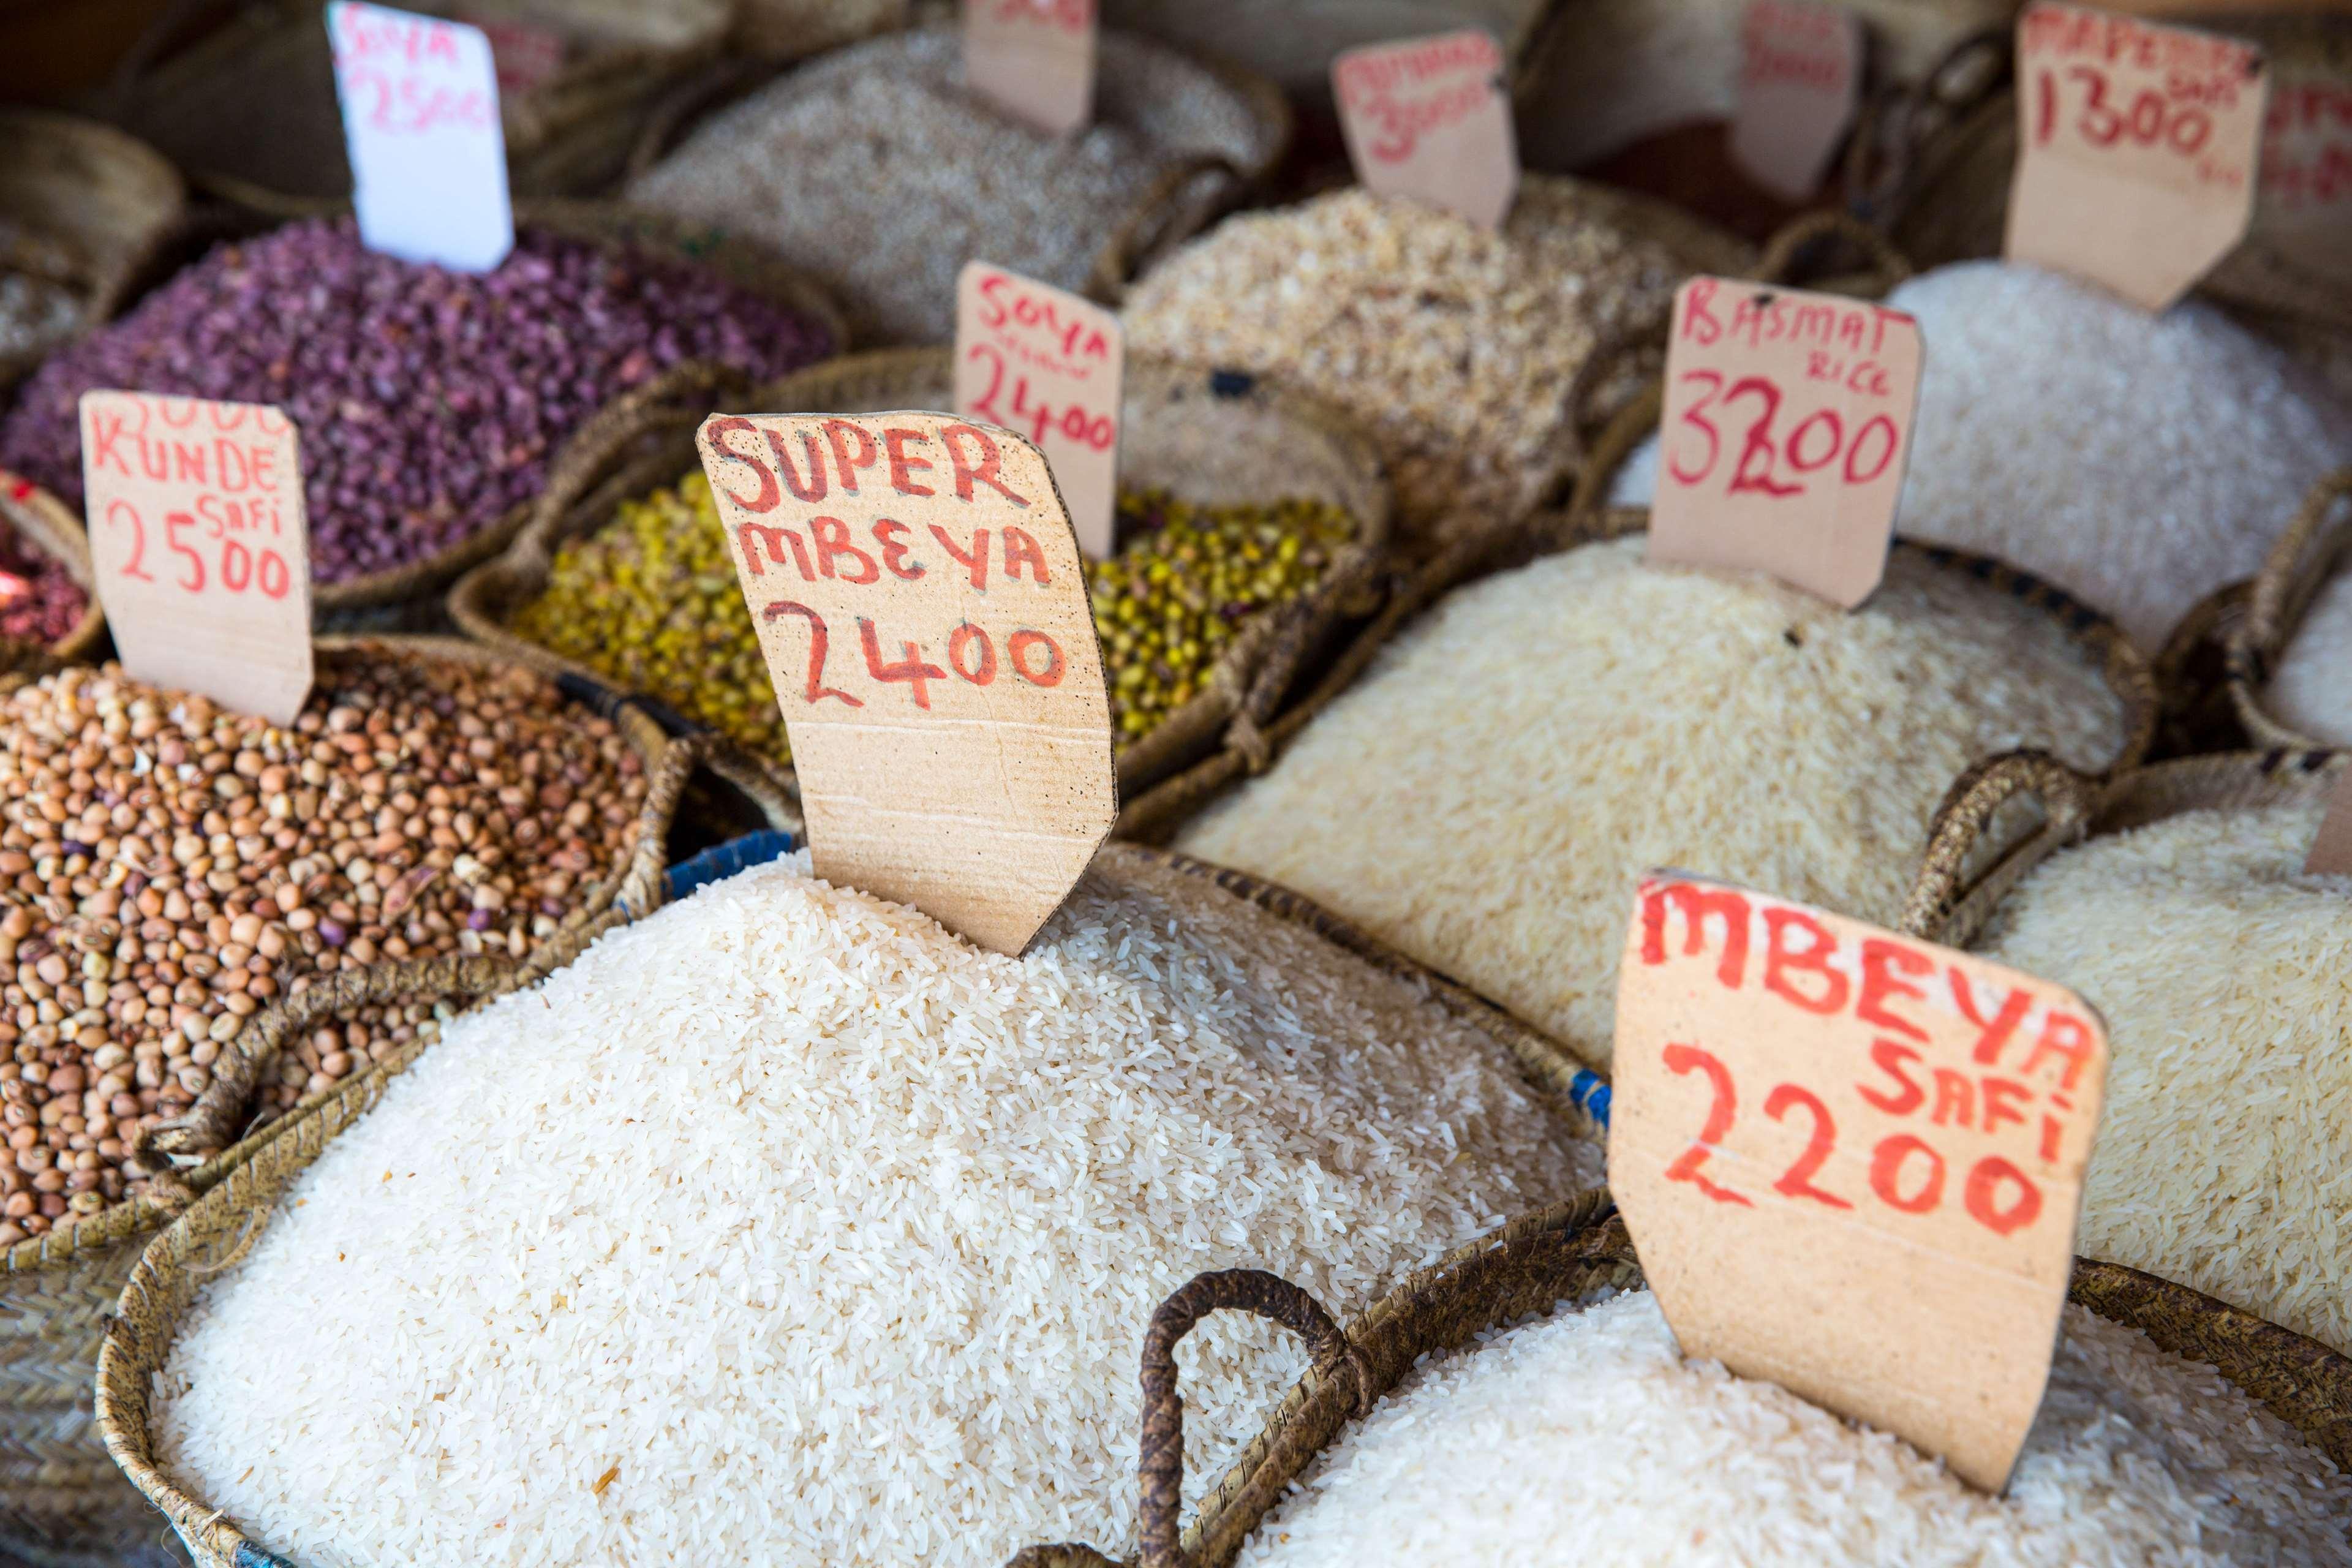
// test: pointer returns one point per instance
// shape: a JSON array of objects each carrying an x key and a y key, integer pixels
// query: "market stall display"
[
  {"x": 430, "y": 403},
  {"x": 1020, "y": 1154},
  {"x": 935, "y": 177},
  {"x": 1625, "y": 716}
]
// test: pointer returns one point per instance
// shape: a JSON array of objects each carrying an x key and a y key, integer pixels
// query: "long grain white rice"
[
  {"x": 1583, "y": 1440},
  {"x": 2224, "y": 1156},
  {"x": 2312, "y": 689},
  {"x": 1487, "y": 797},
  {"x": 2140, "y": 461},
  {"x": 833, "y": 1237}
]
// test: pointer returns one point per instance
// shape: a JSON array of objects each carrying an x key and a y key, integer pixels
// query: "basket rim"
[
  {"x": 43, "y": 521},
  {"x": 2271, "y": 608}
]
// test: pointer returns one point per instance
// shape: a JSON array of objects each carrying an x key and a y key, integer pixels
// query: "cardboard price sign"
[
  {"x": 1852, "y": 1162},
  {"x": 201, "y": 546},
  {"x": 2137, "y": 149},
  {"x": 1799, "y": 85},
  {"x": 2306, "y": 203},
  {"x": 1040, "y": 360},
  {"x": 2331, "y": 852},
  {"x": 1034, "y": 59},
  {"x": 420, "y": 101},
  {"x": 1786, "y": 429},
  {"x": 1429, "y": 119},
  {"x": 920, "y": 603}
]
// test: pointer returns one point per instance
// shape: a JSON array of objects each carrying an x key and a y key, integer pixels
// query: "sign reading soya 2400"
[{"x": 921, "y": 604}]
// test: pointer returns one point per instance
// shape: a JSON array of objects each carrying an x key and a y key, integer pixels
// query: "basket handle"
[
  {"x": 2291, "y": 576},
  {"x": 1881, "y": 157},
  {"x": 1791, "y": 256},
  {"x": 582, "y": 461},
  {"x": 1143, "y": 233},
  {"x": 1948, "y": 906}
]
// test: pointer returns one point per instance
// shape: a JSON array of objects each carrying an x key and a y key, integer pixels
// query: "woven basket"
[
  {"x": 2313, "y": 552},
  {"x": 1209, "y": 438},
  {"x": 81, "y": 204},
  {"x": 1563, "y": 1253},
  {"x": 61, "y": 1499},
  {"x": 49, "y": 526},
  {"x": 159, "y": 1290},
  {"x": 251, "y": 110}
]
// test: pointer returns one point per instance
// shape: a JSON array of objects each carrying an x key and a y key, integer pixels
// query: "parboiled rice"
[
  {"x": 2224, "y": 1155},
  {"x": 1487, "y": 795},
  {"x": 1615, "y": 1451},
  {"x": 834, "y": 1235}
]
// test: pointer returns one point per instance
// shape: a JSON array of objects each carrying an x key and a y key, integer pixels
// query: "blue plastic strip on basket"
[
  {"x": 1591, "y": 1093},
  {"x": 723, "y": 861}
]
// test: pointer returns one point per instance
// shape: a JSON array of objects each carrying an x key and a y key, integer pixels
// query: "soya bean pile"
[
  {"x": 651, "y": 602},
  {"x": 430, "y": 402},
  {"x": 1456, "y": 346},
  {"x": 168, "y": 869},
  {"x": 878, "y": 172}
]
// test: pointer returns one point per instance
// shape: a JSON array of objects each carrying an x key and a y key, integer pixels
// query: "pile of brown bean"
[{"x": 168, "y": 869}]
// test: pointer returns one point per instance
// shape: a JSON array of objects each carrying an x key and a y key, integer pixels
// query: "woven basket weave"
[
  {"x": 2313, "y": 552},
  {"x": 1559, "y": 1254},
  {"x": 1208, "y": 438},
  {"x": 159, "y": 1291},
  {"x": 59, "y": 1497},
  {"x": 50, "y": 527}
]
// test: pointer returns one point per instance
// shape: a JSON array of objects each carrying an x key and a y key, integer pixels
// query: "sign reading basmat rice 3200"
[{"x": 920, "y": 601}]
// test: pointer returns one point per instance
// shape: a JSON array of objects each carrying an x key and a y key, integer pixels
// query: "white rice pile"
[
  {"x": 784, "y": 1227},
  {"x": 2140, "y": 461},
  {"x": 1488, "y": 794},
  {"x": 2224, "y": 1157},
  {"x": 1582, "y": 1439},
  {"x": 2312, "y": 688}
]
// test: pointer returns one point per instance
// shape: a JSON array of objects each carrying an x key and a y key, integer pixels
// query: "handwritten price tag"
[
  {"x": 420, "y": 101},
  {"x": 2137, "y": 149},
  {"x": 2331, "y": 852},
  {"x": 1786, "y": 429},
  {"x": 2303, "y": 213},
  {"x": 201, "y": 546},
  {"x": 1799, "y": 85},
  {"x": 1039, "y": 360},
  {"x": 1853, "y": 1162},
  {"x": 1429, "y": 119},
  {"x": 1034, "y": 59},
  {"x": 919, "y": 600}
]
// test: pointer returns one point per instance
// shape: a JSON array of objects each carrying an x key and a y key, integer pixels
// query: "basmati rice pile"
[
  {"x": 1488, "y": 794},
  {"x": 1619, "y": 1452},
  {"x": 2225, "y": 1157},
  {"x": 2312, "y": 689},
  {"x": 784, "y": 1227},
  {"x": 2138, "y": 461}
]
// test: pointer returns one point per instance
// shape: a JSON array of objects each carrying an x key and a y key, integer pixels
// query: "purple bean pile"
[{"x": 429, "y": 402}]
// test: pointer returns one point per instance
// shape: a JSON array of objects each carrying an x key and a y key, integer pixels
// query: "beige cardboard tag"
[
  {"x": 2137, "y": 149},
  {"x": 920, "y": 603},
  {"x": 1040, "y": 360},
  {"x": 1799, "y": 85},
  {"x": 2331, "y": 852},
  {"x": 2306, "y": 207},
  {"x": 1034, "y": 59},
  {"x": 1430, "y": 119},
  {"x": 1852, "y": 1162},
  {"x": 201, "y": 546},
  {"x": 1786, "y": 430}
]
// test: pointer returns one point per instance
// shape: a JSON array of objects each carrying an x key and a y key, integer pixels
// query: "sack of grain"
[
  {"x": 934, "y": 177},
  {"x": 2225, "y": 978},
  {"x": 2139, "y": 462},
  {"x": 1468, "y": 353},
  {"x": 432, "y": 403},
  {"x": 1545, "y": 731},
  {"x": 1254, "y": 518},
  {"x": 207, "y": 864},
  {"x": 2289, "y": 652},
  {"x": 788, "y": 1224},
  {"x": 1526, "y": 1403}
]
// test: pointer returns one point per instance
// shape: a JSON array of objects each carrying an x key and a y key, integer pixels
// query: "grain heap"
[
  {"x": 1457, "y": 347},
  {"x": 787, "y": 1224},
  {"x": 2140, "y": 462},
  {"x": 2226, "y": 979},
  {"x": 2312, "y": 689},
  {"x": 651, "y": 602},
  {"x": 429, "y": 402},
  {"x": 2138, "y": 1459},
  {"x": 168, "y": 868},
  {"x": 875, "y": 171},
  {"x": 1513, "y": 763}
]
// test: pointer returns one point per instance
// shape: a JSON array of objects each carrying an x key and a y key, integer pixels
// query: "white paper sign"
[{"x": 420, "y": 99}]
